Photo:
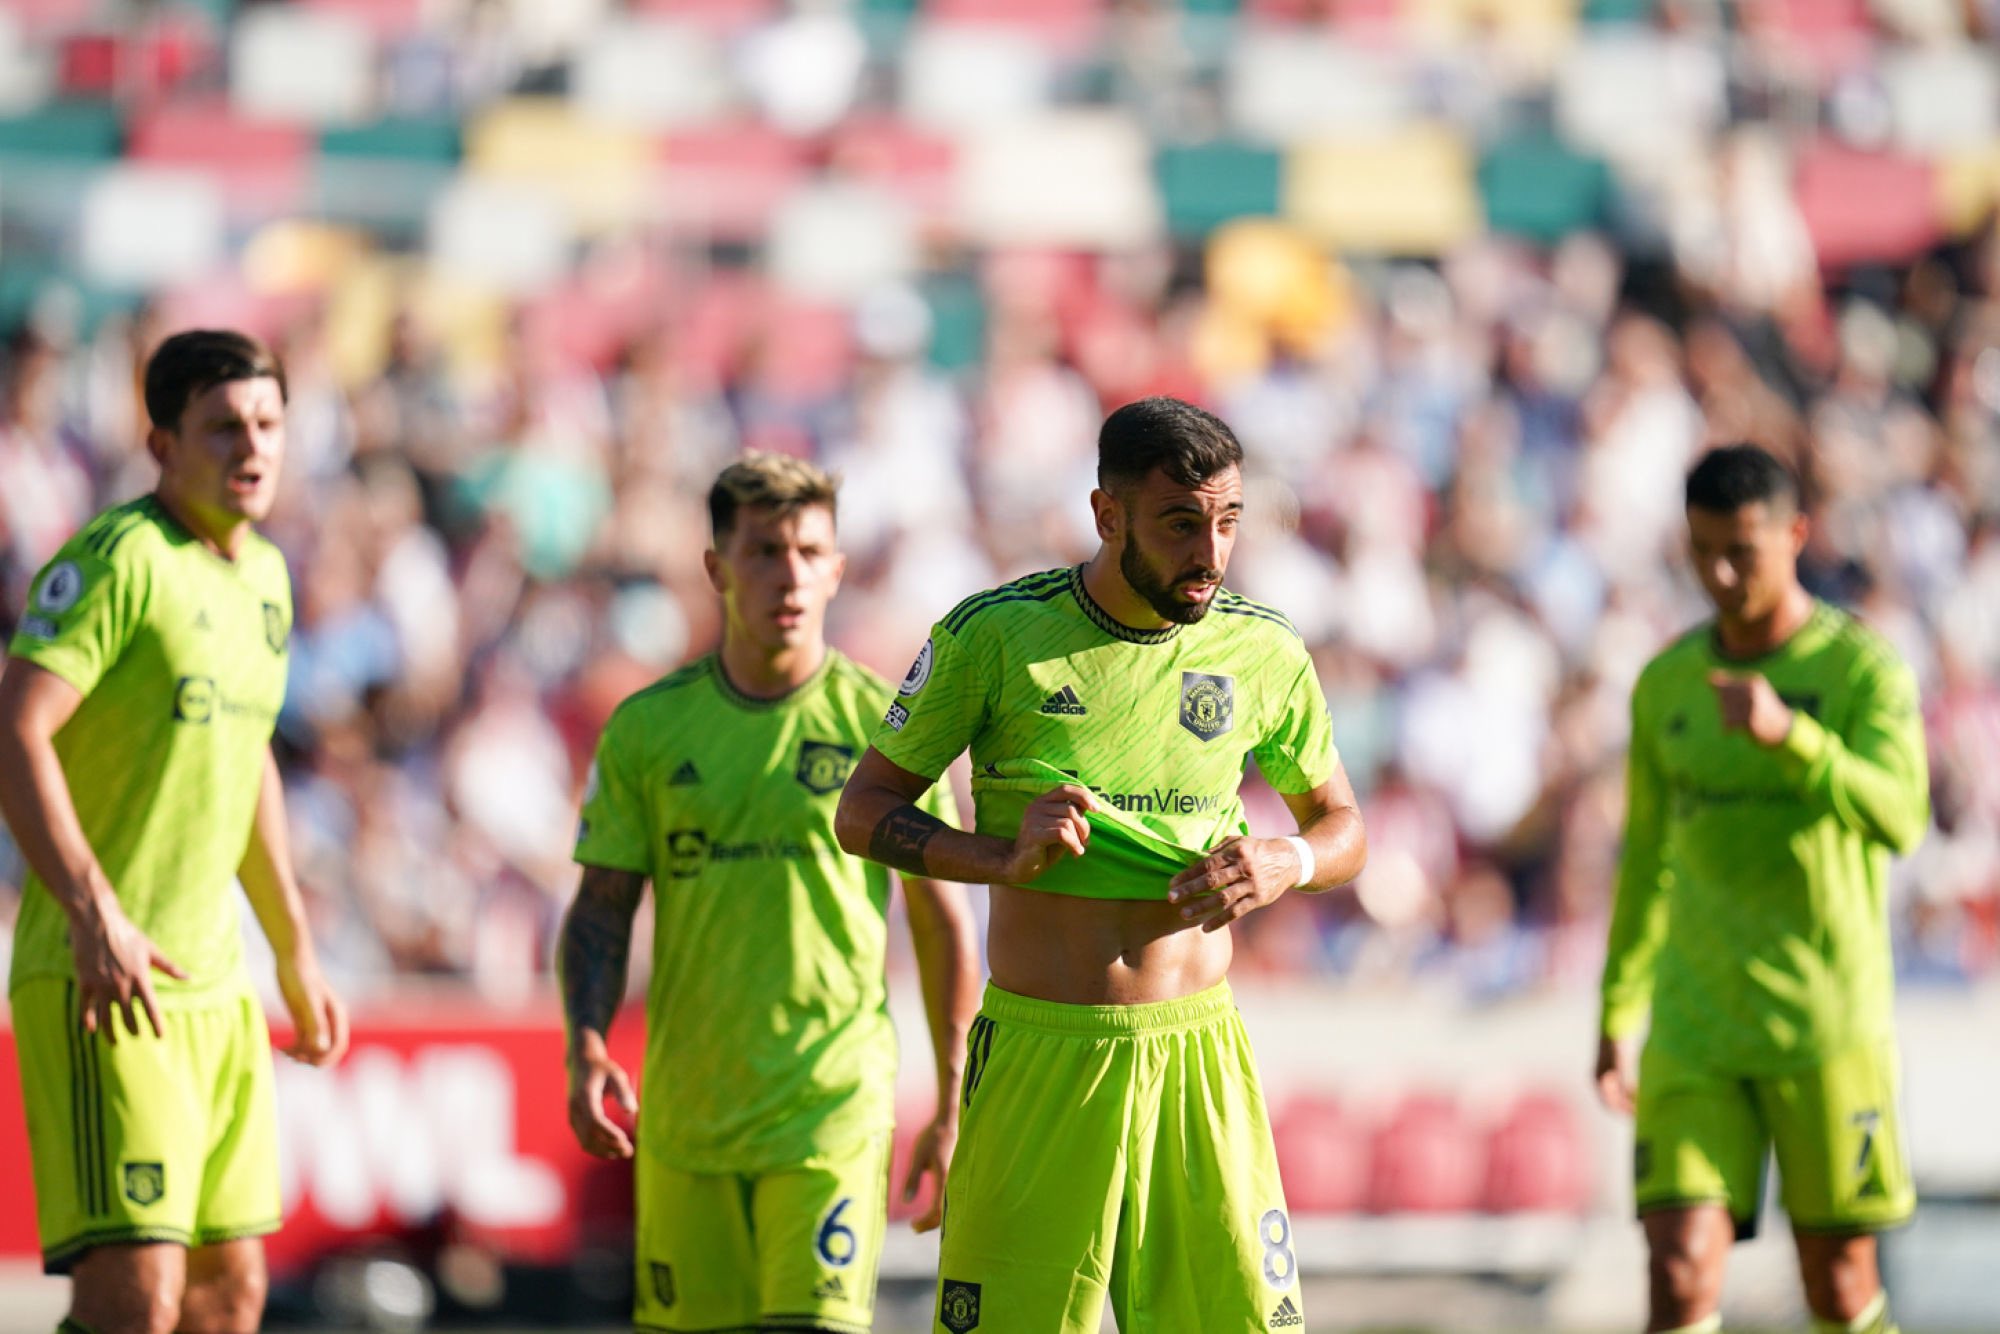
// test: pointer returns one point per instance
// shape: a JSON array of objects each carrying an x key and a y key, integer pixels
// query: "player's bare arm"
[
  {"x": 319, "y": 1019},
  {"x": 114, "y": 959},
  {"x": 941, "y": 931},
  {"x": 591, "y": 961},
  {"x": 1244, "y": 874},
  {"x": 878, "y": 819}
]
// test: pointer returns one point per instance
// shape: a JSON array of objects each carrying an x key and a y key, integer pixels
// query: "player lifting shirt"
[{"x": 1114, "y": 1140}]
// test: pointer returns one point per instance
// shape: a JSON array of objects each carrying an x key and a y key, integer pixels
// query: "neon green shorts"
[
  {"x": 791, "y": 1249},
  {"x": 1120, "y": 1150},
  {"x": 170, "y": 1138},
  {"x": 1703, "y": 1137}
]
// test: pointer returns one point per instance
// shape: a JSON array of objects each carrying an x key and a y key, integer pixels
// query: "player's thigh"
[
  {"x": 133, "y": 1286},
  {"x": 118, "y": 1131},
  {"x": 226, "y": 1286},
  {"x": 819, "y": 1230},
  {"x": 1206, "y": 1241},
  {"x": 1033, "y": 1195},
  {"x": 1842, "y": 1162},
  {"x": 1699, "y": 1138},
  {"x": 695, "y": 1266},
  {"x": 231, "y": 1049}
]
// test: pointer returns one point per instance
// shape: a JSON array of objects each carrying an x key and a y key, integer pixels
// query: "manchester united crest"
[
  {"x": 276, "y": 628},
  {"x": 958, "y": 1306},
  {"x": 1208, "y": 704},
  {"x": 823, "y": 766}
]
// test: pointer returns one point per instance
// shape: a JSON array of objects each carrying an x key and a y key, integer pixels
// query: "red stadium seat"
[
  {"x": 726, "y": 181},
  {"x": 718, "y": 16},
  {"x": 262, "y": 168},
  {"x": 1537, "y": 1160},
  {"x": 915, "y": 165},
  {"x": 1865, "y": 207},
  {"x": 1322, "y": 1155},
  {"x": 1068, "y": 27},
  {"x": 1426, "y": 1160},
  {"x": 138, "y": 65},
  {"x": 386, "y": 19}
]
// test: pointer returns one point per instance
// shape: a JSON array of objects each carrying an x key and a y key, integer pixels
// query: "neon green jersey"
[
  {"x": 1751, "y": 909},
  {"x": 180, "y": 657},
  {"x": 768, "y": 1037},
  {"x": 1046, "y": 687}
]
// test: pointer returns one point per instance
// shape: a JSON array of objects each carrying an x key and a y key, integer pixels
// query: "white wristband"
[{"x": 1305, "y": 851}]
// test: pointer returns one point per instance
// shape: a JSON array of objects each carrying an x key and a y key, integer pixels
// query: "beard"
[{"x": 1158, "y": 591}]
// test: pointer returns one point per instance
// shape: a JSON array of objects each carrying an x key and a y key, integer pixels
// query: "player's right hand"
[
  {"x": 592, "y": 1073},
  {"x": 1052, "y": 827},
  {"x": 114, "y": 972},
  {"x": 1618, "y": 1073}
]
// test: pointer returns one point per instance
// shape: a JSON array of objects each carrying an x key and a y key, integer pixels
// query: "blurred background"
[{"x": 1474, "y": 280}]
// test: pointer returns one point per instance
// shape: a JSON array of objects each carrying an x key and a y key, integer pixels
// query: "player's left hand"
[
  {"x": 319, "y": 1019},
  {"x": 931, "y": 1155},
  {"x": 1237, "y": 878},
  {"x": 1750, "y": 704}
]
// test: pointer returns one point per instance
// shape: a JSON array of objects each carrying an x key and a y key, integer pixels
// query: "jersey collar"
[
  {"x": 1109, "y": 624},
  {"x": 729, "y": 692}
]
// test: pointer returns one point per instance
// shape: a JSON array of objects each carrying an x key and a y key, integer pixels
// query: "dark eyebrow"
[{"x": 1190, "y": 507}]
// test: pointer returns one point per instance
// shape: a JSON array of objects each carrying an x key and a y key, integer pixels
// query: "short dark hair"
[
  {"x": 195, "y": 360},
  {"x": 1187, "y": 443},
  {"x": 776, "y": 482},
  {"x": 1729, "y": 477}
]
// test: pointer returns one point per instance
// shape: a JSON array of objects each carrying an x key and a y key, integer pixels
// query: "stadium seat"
[
  {"x": 1069, "y": 28},
  {"x": 1322, "y": 1156},
  {"x": 45, "y": 18},
  {"x": 1534, "y": 186},
  {"x": 67, "y": 131},
  {"x": 1828, "y": 36},
  {"x": 1283, "y": 87},
  {"x": 1624, "y": 93},
  {"x": 1863, "y": 207},
  {"x": 1407, "y": 193},
  {"x": 1079, "y": 179},
  {"x": 145, "y": 225},
  {"x": 137, "y": 65},
  {"x": 384, "y": 173},
  {"x": 288, "y": 63},
  {"x": 1968, "y": 188},
  {"x": 1203, "y": 186},
  {"x": 917, "y": 166},
  {"x": 498, "y": 235},
  {"x": 603, "y": 176},
  {"x": 261, "y": 167},
  {"x": 1537, "y": 1159},
  {"x": 1942, "y": 99},
  {"x": 650, "y": 74},
  {"x": 836, "y": 241},
  {"x": 1425, "y": 1160},
  {"x": 962, "y": 78},
  {"x": 386, "y": 19},
  {"x": 726, "y": 181}
]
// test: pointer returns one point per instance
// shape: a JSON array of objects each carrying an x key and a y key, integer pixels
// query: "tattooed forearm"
[
  {"x": 900, "y": 839},
  {"x": 595, "y": 947}
]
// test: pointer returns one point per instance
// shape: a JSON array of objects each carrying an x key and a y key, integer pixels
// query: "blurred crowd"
[{"x": 1463, "y": 485}]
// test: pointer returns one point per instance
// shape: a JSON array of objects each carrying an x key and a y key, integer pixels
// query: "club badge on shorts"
[{"x": 958, "y": 1306}]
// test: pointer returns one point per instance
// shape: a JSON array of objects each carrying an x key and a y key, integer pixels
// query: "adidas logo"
[
  {"x": 1065, "y": 702},
  {"x": 830, "y": 1290},
  {"x": 685, "y": 776},
  {"x": 201, "y": 619},
  {"x": 1286, "y": 1315}
]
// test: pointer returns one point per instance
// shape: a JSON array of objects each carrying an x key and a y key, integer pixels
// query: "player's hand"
[
  {"x": 1618, "y": 1073},
  {"x": 1749, "y": 704},
  {"x": 1052, "y": 827},
  {"x": 592, "y": 1073},
  {"x": 114, "y": 972},
  {"x": 1237, "y": 878},
  {"x": 931, "y": 1155},
  {"x": 319, "y": 1019}
]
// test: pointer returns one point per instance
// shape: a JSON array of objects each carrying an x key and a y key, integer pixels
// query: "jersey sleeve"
[
  {"x": 1297, "y": 754},
  {"x": 1875, "y": 778},
  {"x": 1639, "y": 905},
  {"x": 612, "y": 832},
  {"x": 940, "y": 706},
  {"x": 81, "y": 615}
]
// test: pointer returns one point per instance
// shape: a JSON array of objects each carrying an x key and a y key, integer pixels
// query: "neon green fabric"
[
  {"x": 1118, "y": 1151},
  {"x": 180, "y": 656},
  {"x": 1751, "y": 903},
  {"x": 768, "y": 1038},
  {"x": 1045, "y": 687}
]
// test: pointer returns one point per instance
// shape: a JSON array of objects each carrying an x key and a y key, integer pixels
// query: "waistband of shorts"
[{"x": 1183, "y": 1012}]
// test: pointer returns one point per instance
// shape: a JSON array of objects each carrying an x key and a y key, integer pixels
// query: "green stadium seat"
[
  {"x": 75, "y": 131},
  {"x": 424, "y": 139},
  {"x": 1205, "y": 185},
  {"x": 1536, "y": 187}
]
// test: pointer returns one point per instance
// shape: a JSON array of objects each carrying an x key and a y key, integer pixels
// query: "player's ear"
[
  {"x": 1109, "y": 513},
  {"x": 158, "y": 440},
  {"x": 1801, "y": 530},
  {"x": 711, "y": 561}
]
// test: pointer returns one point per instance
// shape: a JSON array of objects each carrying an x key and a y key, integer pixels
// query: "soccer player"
[
  {"x": 763, "y": 1145},
  {"x": 1777, "y": 760},
  {"x": 1115, "y": 1140},
  {"x": 136, "y": 774}
]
